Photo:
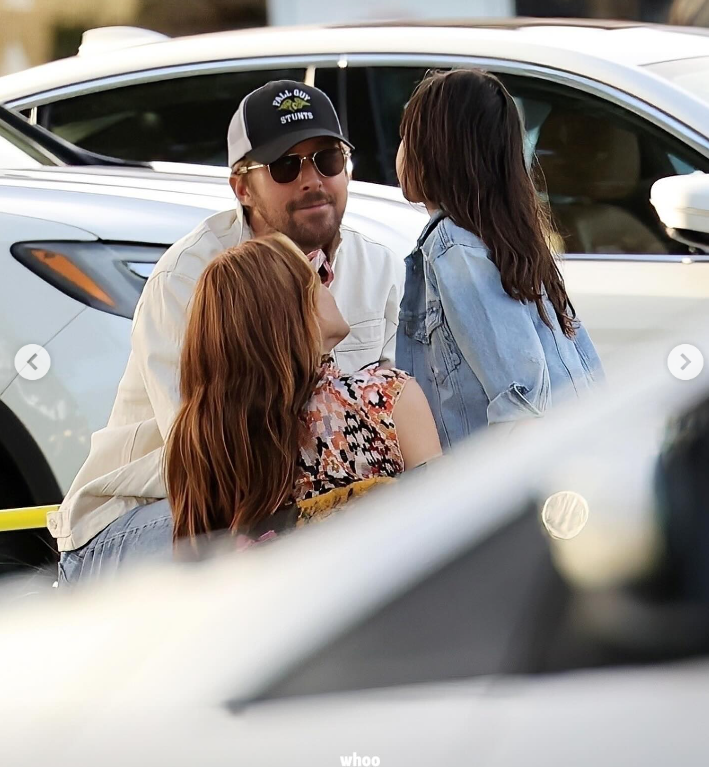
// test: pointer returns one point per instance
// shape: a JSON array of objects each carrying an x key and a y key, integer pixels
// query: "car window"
[
  {"x": 374, "y": 99},
  {"x": 540, "y": 594},
  {"x": 515, "y": 604},
  {"x": 680, "y": 165},
  {"x": 484, "y": 613},
  {"x": 599, "y": 162},
  {"x": 177, "y": 120}
]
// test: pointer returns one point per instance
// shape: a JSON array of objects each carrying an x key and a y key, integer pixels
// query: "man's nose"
[{"x": 309, "y": 177}]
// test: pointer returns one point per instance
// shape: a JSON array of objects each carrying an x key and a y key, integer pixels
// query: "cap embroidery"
[{"x": 293, "y": 103}]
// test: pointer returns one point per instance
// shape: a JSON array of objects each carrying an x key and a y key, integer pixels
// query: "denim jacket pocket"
[
  {"x": 445, "y": 355},
  {"x": 413, "y": 326}
]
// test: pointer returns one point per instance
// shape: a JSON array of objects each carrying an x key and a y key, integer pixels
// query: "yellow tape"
[{"x": 29, "y": 518}]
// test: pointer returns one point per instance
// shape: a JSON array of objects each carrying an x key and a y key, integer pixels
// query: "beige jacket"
[{"x": 123, "y": 466}]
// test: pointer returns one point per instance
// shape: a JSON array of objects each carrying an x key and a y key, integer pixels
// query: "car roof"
[{"x": 567, "y": 44}]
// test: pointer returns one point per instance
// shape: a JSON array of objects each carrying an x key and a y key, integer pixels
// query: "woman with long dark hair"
[
  {"x": 267, "y": 423},
  {"x": 486, "y": 325}
]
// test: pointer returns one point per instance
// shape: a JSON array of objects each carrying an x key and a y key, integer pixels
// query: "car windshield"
[{"x": 690, "y": 74}]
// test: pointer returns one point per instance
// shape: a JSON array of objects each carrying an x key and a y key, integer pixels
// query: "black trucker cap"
[{"x": 276, "y": 117}]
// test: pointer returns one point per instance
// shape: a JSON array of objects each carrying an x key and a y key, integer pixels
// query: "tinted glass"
[
  {"x": 179, "y": 120},
  {"x": 495, "y": 610},
  {"x": 599, "y": 162},
  {"x": 370, "y": 101}
]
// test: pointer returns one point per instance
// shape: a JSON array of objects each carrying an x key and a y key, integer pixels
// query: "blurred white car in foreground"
[{"x": 433, "y": 623}]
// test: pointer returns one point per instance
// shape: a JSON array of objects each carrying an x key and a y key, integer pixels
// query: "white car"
[
  {"x": 434, "y": 623},
  {"x": 609, "y": 109},
  {"x": 76, "y": 245}
]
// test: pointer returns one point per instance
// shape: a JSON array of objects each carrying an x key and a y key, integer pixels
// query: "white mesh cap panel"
[{"x": 238, "y": 144}]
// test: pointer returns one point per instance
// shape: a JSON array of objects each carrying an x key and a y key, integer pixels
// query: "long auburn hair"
[
  {"x": 464, "y": 151},
  {"x": 250, "y": 362}
]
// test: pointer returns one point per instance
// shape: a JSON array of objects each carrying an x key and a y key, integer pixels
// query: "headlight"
[{"x": 105, "y": 275}]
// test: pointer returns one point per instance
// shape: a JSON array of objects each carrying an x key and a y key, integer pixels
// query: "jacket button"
[{"x": 53, "y": 524}]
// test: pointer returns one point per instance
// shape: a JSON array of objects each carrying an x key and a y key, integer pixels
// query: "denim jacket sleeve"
[{"x": 495, "y": 334}]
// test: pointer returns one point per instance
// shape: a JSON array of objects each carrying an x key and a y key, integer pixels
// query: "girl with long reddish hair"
[{"x": 267, "y": 423}]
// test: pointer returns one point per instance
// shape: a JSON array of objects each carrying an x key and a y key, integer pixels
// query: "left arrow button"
[{"x": 32, "y": 362}]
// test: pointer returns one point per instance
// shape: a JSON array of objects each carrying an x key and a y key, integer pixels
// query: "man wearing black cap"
[
  {"x": 289, "y": 173},
  {"x": 276, "y": 127},
  {"x": 289, "y": 159}
]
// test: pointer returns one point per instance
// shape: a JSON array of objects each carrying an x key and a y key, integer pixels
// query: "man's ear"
[{"x": 240, "y": 187}]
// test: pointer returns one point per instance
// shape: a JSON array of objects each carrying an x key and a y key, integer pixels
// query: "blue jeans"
[{"x": 143, "y": 534}]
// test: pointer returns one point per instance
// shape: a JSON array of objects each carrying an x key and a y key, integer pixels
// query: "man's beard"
[{"x": 318, "y": 234}]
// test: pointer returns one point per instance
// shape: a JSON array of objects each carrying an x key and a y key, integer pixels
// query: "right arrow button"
[{"x": 685, "y": 362}]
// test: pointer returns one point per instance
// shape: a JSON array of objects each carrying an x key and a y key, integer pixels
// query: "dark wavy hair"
[{"x": 464, "y": 152}]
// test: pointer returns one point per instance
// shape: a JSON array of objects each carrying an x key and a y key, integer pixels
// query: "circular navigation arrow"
[
  {"x": 685, "y": 362},
  {"x": 32, "y": 362}
]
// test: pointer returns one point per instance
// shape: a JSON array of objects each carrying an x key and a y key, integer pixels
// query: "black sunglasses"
[{"x": 286, "y": 169}]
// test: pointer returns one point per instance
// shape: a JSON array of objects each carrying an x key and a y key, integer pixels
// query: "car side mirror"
[{"x": 682, "y": 204}]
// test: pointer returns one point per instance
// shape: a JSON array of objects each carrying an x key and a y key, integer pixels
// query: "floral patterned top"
[
  {"x": 350, "y": 430},
  {"x": 350, "y": 446}
]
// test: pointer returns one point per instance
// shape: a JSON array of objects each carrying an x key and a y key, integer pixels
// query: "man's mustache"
[{"x": 309, "y": 200}]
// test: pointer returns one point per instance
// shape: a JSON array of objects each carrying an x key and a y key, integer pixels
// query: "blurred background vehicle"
[
  {"x": 434, "y": 622},
  {"x": 609, "y": 108},
  {"x": 32, "y": 33}
]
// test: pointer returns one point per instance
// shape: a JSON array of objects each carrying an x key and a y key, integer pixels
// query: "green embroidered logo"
[
  {"x": 296, "y": 105},
  {"x": 293, "y": 104}
]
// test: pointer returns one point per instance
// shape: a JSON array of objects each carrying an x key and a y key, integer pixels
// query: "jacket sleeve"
[
  {"x": 157, "y": 335},
  {"x": 495, "y": 334},
  {"x": 391, "y": 312}
]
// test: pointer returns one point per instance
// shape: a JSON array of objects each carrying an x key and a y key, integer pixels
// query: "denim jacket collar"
[{"x": 436, "y": 217}]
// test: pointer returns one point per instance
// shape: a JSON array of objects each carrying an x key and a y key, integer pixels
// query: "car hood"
[
  {"x": 150, "y": 206},
  {"x": 131, "y": 205}
]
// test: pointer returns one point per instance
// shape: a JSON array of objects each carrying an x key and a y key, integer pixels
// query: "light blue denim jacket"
[{"x": 480, "y": 356}]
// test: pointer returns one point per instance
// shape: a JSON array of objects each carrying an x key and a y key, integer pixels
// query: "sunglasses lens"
[
  {"x": 329, "y": 162},
  {"x": 285, "y": 169}
]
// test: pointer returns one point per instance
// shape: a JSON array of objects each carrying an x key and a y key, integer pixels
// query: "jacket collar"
[{"x": 436, "y": 217}]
